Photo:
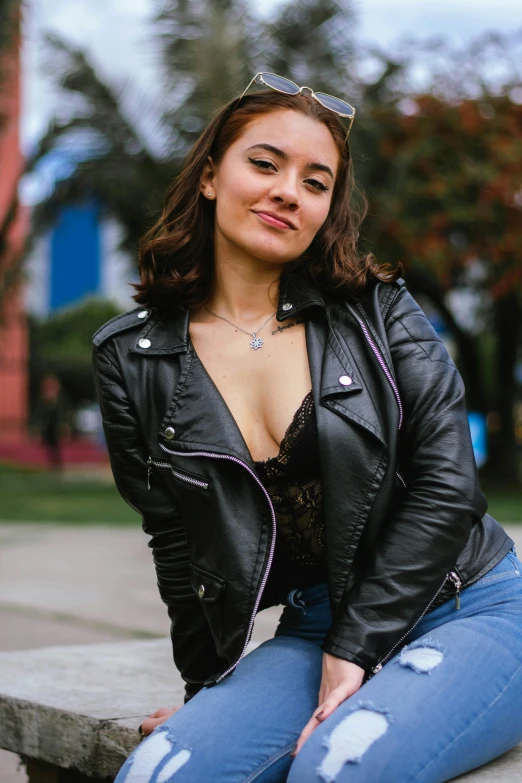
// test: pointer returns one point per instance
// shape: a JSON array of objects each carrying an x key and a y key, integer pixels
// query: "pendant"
[{"x": 256, "y": 342}]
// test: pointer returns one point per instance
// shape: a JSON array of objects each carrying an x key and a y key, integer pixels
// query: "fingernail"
[{"x": 319, "y": 714}]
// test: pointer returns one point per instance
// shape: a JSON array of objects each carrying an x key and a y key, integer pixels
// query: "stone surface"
[{"x": 80, "y": 706}]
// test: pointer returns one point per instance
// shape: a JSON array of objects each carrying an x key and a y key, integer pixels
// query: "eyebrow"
[{"x": 314, "y": 166}]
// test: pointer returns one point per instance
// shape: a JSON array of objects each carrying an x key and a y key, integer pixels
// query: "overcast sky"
[{"x": 115, "y": 31}]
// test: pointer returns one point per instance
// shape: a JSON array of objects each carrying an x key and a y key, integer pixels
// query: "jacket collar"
[
  {"x": 339, "y": 362},
  {"x": 164, "y": 334}
]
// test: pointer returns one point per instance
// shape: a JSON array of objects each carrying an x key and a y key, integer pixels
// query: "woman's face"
[{"x": 273, "y": 187}]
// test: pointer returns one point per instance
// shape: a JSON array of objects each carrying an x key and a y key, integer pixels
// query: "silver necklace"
[{"x": 256, "y": 341}]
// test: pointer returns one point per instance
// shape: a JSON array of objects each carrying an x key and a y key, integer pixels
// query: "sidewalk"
[{"x": 81, "y": 585}]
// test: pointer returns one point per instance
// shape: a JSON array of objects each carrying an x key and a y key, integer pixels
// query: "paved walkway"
[{"x": 81, "y": 585}]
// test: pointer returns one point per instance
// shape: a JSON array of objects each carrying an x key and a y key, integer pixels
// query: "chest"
[{"x": 262, "y": 388}]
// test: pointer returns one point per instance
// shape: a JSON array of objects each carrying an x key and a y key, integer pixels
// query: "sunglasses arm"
[{"x": 248, "y": 87}]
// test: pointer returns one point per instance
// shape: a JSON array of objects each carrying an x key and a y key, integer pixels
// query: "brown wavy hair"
[{"x": 176, "y": 255}]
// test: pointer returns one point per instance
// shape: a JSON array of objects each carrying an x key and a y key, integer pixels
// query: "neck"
[{"x": 245, "y": 289}]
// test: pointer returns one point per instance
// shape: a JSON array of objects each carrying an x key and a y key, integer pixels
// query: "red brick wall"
[{"x": 13, "y": 328}]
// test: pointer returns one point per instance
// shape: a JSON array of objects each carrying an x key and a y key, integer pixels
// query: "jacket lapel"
[
  {"x": 342, "y": 386},
  {"x": 200, "y": 416}
]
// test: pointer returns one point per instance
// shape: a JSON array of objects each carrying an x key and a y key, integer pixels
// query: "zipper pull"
[
  {"x": 149, "y": 471},
  {"x": 454, "y": 577},
  {"x": 377, "y": 668}
]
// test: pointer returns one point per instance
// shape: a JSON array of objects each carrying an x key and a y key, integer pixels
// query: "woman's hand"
[
  {"x": 157, "y": 718},
  {"x": 340, "y": 679}
]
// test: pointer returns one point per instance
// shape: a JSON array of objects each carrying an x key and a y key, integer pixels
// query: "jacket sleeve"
[
  {"x": 430, "y": 524},
  {"x": 194, "y": 649}
]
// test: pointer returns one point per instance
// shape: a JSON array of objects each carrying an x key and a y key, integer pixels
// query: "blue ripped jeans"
[{"x": 447, "y": 702}]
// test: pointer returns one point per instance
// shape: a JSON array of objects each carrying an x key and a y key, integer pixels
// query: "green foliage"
[
  {"x": 62, "y": 345},
  {"x": 67, "y": 334}
]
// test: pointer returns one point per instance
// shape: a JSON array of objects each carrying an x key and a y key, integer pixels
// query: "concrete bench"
[{"x": 72, "y": 713}]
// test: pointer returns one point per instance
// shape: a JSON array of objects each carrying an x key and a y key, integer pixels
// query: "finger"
[
  {"x": 323, "y": 711},
  {"x": 164, "y": 711},
  {"x": 149, "y": 724},
  {"x": 312, "y": 724}
]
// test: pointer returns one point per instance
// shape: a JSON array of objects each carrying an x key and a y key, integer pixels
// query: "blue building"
[{"x": 78, "y": 258}]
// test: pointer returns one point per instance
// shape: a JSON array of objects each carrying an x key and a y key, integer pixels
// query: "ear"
[{"x": 208, "y": 183}]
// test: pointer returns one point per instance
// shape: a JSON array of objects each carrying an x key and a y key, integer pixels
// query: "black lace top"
[{"x": 292, "y": 480}]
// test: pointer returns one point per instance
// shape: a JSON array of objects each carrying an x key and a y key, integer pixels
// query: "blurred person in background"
[
  {"x": 50, "y": 420},
  {"x": 293, "y": 432}
]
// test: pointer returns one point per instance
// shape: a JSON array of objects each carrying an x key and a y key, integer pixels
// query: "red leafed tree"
[{"x": 444, "y": 178}]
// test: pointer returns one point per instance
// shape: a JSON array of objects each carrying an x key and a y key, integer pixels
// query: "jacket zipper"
[
  {"x": 189, "y": 480},
  {"x": 454, "y": 577},
  {"x": 399, "y": 476},
  {"x": 451, "y": 576},
  {"x": 386, "y": 371},
  {"x": 272, "y": 543},
  {"x": 153, "y": 462},
  {"x": 156, "y": 463},
  {"x": 381, "y": 361}
]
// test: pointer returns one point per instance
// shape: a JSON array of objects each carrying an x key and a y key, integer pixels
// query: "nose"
[{"x": 285, "y": 191}]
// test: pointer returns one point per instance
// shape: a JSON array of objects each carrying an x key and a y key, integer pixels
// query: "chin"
[
  {"x": 269, "y": 251},
  {"x": 269, "y": 257}
]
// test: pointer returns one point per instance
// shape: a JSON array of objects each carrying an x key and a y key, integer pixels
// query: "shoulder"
[
  {"x": 133, "y": 319},
  {"x": 387, "y": 294},
  {"x": 379, "y": 297}
]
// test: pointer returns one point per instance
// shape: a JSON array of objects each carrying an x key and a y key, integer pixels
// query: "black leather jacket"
[{"x": 405, "y": 519}]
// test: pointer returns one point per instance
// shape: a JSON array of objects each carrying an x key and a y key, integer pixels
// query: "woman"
[{"x": 292, "y": 431}]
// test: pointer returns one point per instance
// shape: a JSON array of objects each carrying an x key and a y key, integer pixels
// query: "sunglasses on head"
[{"x": 280, "y": 84}]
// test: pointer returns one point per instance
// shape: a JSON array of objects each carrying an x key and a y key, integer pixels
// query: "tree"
[{"x": 61, "y": 345}]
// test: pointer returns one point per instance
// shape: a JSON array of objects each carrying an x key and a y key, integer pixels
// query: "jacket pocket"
[
  {"x": 207, "y": 587},
  {"x": 190, "y": 480},
  {"x": 182, "y": 477}
]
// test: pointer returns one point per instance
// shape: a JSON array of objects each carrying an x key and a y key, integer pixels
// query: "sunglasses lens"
[
  {"x": 335, "y": 104},
  {"x": 281, "y": 84}
]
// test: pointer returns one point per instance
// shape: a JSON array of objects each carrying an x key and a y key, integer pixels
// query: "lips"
[{"x": 274, "y": 219}]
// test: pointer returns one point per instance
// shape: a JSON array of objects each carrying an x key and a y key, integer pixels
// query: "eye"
[
  {"x": 315, "y": 183},
  {"x": 262, "y": 164},
  {"x": 267, "y": 165}
]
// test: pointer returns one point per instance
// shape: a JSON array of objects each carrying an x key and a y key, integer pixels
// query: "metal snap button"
[
  {"x": 169, "y": 433},
  {"x": 345, "y": 380},
  {"x": 144, "y": 343},
  {"x": 287, "y": 306},
  {"x": 143, "y": 313},
  {"x": 201, "y": 591}
]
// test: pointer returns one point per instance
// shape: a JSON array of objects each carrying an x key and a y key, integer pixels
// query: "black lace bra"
[{"x": 292, "y": 479}]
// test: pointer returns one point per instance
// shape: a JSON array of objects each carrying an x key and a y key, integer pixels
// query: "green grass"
[{"x": 35, "y": 496}]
